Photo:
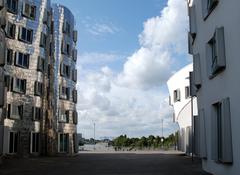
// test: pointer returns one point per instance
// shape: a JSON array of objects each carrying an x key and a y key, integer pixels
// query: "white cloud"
[
  {"x": 134, "y": 102},
  {"x": 99, "y": 27},
  {"x": 163, "y": 38}
]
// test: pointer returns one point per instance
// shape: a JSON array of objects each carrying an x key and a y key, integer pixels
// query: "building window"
[
  {"x": 13, "y": 142},
  {"x": 176, "y": 95},
  {"x": 187, "y": 92},
  {"x": 9, "y": 56},
  {"x": 22, "y": 60},
  {"x": 35, "y": 140},
  {"x": 12, "y": 6},
  {"x": 29, "y": 11},
  {"x": 10, "y": 30},
  {"x": 15, "y": 112},
  {"x": 75, "y": 117},
  {"x": 208, "y": 6},
  {"x": 37, "y": 113},
  {"x": 221, "y": 132},
  {"x": 43, "y": 40},
  {"x": 19, "y": 85},
  {"x": 75, "y": 36},
  {"x": 216, "y": 58},
  {"x": 75, "y": 142},
  {"x": 74, "y": 95},
  {"x": 66, "y": 28},
  {"x": 74, "y": 55},
  {"x": 63, "y": 141},
  {"x": 66, "y": 48},
  {"x": 25, "y": 35},
  {"x": 41, "y": 64},
  {"x": 65, "y": 70},
  {"x": 64, "y": 93},
  {"x": 64, "y": 117},
  {"x": 38, "y": 88},
  {"x": 74, "y": 75}
]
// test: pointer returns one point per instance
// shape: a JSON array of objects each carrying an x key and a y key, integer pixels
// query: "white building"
[
  {"x": 180, "y": 99},
  {"x": 214, "y": 43}
]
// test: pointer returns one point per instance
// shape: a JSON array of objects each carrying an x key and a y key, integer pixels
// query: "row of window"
[
  {"x": 63, "y": 143},
  {"x": 22, "y": 60},
  {"x": 221, "y": 133},
  {"x": 64, "y": 117},
  {"x": 64, "y": 93},
  {"x": 15, "y": 112},
  {"x": 19, "y": 85},
  {"x": 177, "y": 94}
]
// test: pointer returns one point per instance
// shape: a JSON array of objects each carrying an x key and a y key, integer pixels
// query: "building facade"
[
  {"x": 30, "y": 118},
  {"x": 184, "y": 107},
  {"x": 213, "y": 42}
]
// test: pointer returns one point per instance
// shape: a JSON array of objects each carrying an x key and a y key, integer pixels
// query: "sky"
[{"x": 127, "y": 50}]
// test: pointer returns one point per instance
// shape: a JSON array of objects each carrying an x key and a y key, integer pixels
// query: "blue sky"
[{"x": 127, "y": 51}]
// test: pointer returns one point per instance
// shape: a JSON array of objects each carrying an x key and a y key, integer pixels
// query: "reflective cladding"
[{"x": 63, "y": 36}]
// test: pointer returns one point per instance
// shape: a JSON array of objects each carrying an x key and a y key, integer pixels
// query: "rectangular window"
[
  {"x": 37, "y": 113},
  {"x": 75, "y": 36},
  {"x": 215, "y": 52},
  {"x": 15, "y": 112},
  {"x": 221, "y": 132},
  {"x": 66, "y": 48},
  {"x": 187, "y": 92},
  {"x": 10, "y": 30},
  {"x": 64, "y": 93},
  {"x": 74, "y": 75},
  {"x": 41, "y": 64},
  {"x": 74, "y": 94},
  {"x": 75, "y": 142},
  {"x": 38, "y": 88},
  {"x": 74, "y": 55},
  {"x": 64, "y": 117},
  {"x": 176, "y": 95},
  {"x": 12, "y": 6},
  {"x": 43, "y": 40},
  {"x": 29, "y": 11},
  {"x": 19, "y": 85},
  {"x": 35, "y": 140},
  {"x": 25, "y": 35},
  {"x": 208, "y": 6},
  {"x": 13, "y": 142},
  {"x": 65, "y": 70},
  {"x": 66, "y": 28},
  {"x": 22, "y": 60},
  {"x": 75, "y": 117},
  {"x": 63, "y": 141},
  {"x": 9, "y": 56}
]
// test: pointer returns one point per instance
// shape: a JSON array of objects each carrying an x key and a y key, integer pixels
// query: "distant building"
[
  {"x": 180, "y": 99},
  {"x": 37, "y": 103},
  {"x": 214, "y": 43}
]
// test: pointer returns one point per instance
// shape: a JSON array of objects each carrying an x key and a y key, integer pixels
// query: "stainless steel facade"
[{"x": 31, "y": 80}]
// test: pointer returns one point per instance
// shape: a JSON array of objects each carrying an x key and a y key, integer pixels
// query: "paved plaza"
[{"x": 104, "y": 164}]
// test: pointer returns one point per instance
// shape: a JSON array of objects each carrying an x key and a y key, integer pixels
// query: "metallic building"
[{"x": 30, "y": 44}]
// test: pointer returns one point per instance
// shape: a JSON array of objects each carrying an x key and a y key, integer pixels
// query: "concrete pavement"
[{"x": 104, "y": 164}]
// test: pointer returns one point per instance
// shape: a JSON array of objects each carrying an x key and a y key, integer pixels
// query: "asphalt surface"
[{"x": 104, "y": 164}]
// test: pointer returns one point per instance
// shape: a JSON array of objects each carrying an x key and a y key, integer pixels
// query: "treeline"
[{"x": 150, "y": 142}]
